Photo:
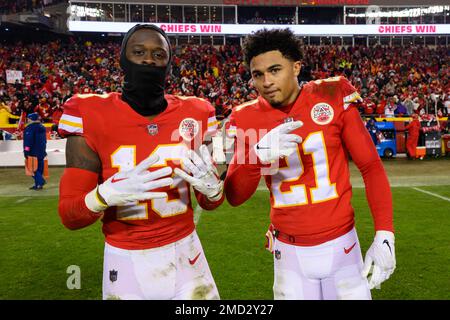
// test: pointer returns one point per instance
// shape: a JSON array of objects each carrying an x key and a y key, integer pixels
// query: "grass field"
[{"x": 36, "y": 249}]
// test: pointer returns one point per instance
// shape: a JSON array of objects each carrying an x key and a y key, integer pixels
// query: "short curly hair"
[{"x": 264, "y": 40}]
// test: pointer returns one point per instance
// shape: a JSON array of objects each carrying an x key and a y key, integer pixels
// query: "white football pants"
[
  {"x": 177, "y": 271},
  {"x": 329, "y": 271}
]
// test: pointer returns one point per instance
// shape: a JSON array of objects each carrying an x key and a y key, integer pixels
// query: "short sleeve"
[
  {"x": 349, "y": 93},
  {"x": 212, "y": 120},
  {"x": 71, "y": 122},
  {"x": 230, "y": 127}
]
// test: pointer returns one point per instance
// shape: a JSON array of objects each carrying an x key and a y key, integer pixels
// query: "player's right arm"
[
  {"x": 80, "y": 176},
  {"x": 238, "y": 190},
  {"x": 242, "y": 179}
]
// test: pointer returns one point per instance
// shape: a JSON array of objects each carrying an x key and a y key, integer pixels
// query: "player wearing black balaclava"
[
  {"x": 144, "y": 85},
  {"x": 121, "y": 154}
]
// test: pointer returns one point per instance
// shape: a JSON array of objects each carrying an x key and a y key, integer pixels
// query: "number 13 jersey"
[{"x": 122, "y": 139}]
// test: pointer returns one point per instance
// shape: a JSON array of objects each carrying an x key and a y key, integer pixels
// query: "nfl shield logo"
[
  {"x": 277, "y": 254},
  {"x": 152, "y": 129},
  {"x": 113, "y": 275}
]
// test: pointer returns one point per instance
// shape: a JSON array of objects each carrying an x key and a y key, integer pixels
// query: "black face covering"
[{"x": 143, "y": 87}]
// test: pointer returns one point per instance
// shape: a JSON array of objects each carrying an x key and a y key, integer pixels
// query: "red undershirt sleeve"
[
  {"x": 207, "y": 204},
  {"x": 74, "y": 185},
  {"x": 242, "y": 180}
]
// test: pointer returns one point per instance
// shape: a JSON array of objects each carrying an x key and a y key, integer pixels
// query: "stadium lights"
[
  {"x": 414, "y": 12},
  {"x": 80, "y": 11}
]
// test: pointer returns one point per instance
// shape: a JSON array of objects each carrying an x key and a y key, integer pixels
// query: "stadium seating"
[{"x": 409, "y": 79}]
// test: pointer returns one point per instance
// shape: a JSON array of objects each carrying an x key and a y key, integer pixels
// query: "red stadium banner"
[
  {"x": 295, "y": 2},
  {"x": 407, "y": 29},
  {"x": 243, "y": 29}
]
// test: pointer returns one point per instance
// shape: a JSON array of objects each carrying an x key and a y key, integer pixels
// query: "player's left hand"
[
  {"x": 382, "y": 255},
  {"x": 204, "y": 178}
]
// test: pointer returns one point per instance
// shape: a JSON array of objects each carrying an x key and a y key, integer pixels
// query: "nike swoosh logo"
[
  {"x": 193, "y": 261},
  {"x": 117, "y": 180},
  {"x": 347, "y": 251},
  {"x": 387, "y": 243},
  {"x": 258, "y": 147}
]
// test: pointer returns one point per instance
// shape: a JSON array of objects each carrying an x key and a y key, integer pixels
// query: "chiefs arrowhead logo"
[{"x": 322, "y": 113}]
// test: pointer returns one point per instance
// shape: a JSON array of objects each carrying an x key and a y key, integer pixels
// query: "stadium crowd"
[{"x": 392, "y": 80}]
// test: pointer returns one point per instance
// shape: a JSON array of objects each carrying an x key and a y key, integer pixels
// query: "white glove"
[
  {"x": 278, "y": 142},
  {"x": 130, "y": 186},
  {"x": 205, "y": 178},
  {"x": 382, "y": 255}
]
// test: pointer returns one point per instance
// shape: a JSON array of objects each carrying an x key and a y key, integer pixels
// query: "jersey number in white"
[
  {"x": 313, "y": 145},
  {"x": 124, "y": 158}
]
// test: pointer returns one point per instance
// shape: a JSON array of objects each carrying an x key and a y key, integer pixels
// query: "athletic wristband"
[
  {"x": 93, "y": 201},
  {"x": 216, "y": 197}
]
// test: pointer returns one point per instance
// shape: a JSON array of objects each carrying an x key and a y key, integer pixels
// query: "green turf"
[
  {"x": 37, "y": 250},
  {"x": 422, "y": 225}
]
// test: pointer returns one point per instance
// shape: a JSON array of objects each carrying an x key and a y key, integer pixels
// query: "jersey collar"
[{"x": 130, "y": 112}]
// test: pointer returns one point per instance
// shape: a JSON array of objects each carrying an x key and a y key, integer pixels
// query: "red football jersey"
[
  {"x": 310, "y": 194},
  {"x": 122, "y": 138}
]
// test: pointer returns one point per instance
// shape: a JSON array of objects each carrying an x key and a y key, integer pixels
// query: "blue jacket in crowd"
[
  {"x": 35, "y": 140},
  {"x": 373, "y": 130}
]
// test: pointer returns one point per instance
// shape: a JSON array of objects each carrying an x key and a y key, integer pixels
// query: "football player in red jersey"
[
  {"x": 121, "y": 151},
  {"x": 298, "y": 137}
]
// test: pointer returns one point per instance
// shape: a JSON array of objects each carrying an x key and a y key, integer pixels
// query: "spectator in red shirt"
[
  {"x": 43, "y": 109},
  {"x": 413, "y": 137}
]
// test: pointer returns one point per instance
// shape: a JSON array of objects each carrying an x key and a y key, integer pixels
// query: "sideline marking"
[
  {"x": 432, "y": 194},
  {"x": 22, "y": 200}
]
